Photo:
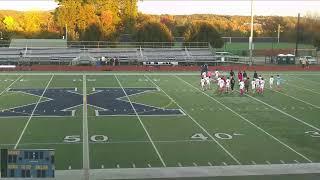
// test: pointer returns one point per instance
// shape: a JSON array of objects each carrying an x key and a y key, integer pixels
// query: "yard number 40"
[{"x": 200, "y": 136}]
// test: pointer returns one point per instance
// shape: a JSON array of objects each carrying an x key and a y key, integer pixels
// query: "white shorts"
[
  {"x": 278, "y": 83},
  {"x": 221, "y": 86}
]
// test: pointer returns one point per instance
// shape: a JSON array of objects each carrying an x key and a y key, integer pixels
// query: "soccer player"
[
  {"x": 216, "y": 74},
  {"x": 232, "y": 82},
  {"x": 255, "y": 75},
  {"x": 209, "y": 75},
  {"x": 231, "y": 73},
  {"x": 253, "y": 85},
  {"x": 227, "y": 84},
  {"x": 271, "y": 82},
  {"x": 247, "y": 84},
  {"x": 257, "y": 83},
  {"x": 240, "y": 77},
  {"x": 221, "y": 85},
  {"x": 244, "y": 74},
  {"x": 278, "y": 81},
  {"x": 207, "y": 82},
  {"x": 202, "y": 83},
  {"x": 262, "y": 82},
  {"x": 241, "y": 84},
  {"x": 204, "y": 74}
]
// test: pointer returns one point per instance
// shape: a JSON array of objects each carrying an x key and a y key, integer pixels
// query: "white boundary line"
[
  {"x": 195, "y": 172},
  {"x": 86, "y": 153},
  {"x": 154, "y": 146},
  {"x": 30, "y": 117},
  {"x": 315, "y": 106},
  {"x": 287, "y": 146},
  {"x": 199, "y": 125}
]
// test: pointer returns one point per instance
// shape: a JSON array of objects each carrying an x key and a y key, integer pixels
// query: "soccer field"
[{"x": 143, "y": 120}]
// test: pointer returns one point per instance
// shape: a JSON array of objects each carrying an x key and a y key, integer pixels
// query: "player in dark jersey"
[
  {"x": 233, "y": 82},
  {"x": 231, "y": 73},
  {"x": 255, "y": 75}
]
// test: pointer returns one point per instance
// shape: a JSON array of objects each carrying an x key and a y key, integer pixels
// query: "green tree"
[
  {"x": 153, "y": 32},
  {"x": 203, "y": 32}
]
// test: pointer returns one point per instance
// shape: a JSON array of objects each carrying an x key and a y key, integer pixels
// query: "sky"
[{"x": 175, "y": 7}]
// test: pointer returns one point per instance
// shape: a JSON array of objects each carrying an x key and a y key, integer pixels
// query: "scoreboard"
[{"x": 27, "y": 163}]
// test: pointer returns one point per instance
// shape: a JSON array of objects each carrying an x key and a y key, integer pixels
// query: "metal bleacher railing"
[{"x": 126, "y": 53}]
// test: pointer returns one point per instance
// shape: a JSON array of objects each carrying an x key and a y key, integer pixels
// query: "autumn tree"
[{"x": 67, "y": 15}]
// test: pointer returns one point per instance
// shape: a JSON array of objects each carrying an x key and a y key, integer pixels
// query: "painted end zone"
[{"x": 161, "y": 68}]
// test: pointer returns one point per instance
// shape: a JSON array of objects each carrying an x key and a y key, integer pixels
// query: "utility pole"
[
  {"x": 279, "y": 27},
  {"x": 66, "y": 33},
  {"x": 298, "y": 36},
  {"x": 251, "y": 35}
]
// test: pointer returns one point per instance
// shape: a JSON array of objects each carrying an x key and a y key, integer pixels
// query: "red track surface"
[{"x": 162, "y": 68}]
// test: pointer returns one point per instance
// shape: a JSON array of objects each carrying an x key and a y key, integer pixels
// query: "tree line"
[{"x": 107, "y": 20}]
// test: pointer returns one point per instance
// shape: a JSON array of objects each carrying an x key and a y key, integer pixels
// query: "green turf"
[{"x": 252, "y": 133}]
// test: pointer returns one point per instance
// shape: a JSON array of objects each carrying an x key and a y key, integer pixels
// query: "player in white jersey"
[
  {"x": 221, "y": 85},
  {"x": 207, "y": 81},
  {"x": 203, "y": 84},
  {"x": 241, "y": 84},
  {"x": 278, "y": 81},
  {"x": 227, "y": 84},
  {"x": 253, "y": 85},
  {"x": 216, "y": 74},
  {"x": 262, "y": 82},
  {"x": 257, "y": 84},
  {"x": 271, "y": 82},
  {"x": 203, "y": 75}
]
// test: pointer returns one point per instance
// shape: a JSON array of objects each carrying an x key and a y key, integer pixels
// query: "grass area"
[
  {"x": 273, "y": 128},
  {"x": 275, "y": 45}
]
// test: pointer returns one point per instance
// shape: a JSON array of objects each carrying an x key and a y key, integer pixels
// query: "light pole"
[{"x": 251, "y": 34}]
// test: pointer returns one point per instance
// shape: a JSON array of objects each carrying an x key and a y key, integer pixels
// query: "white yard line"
[
  {"x": 196, "y": 122},
  {"x": 315, "y": 106},
  {"x": 145, "y": 129},
  {"x": 6, "y": 89},
  {"x": 30, "y": 117},
  {"x": 85, "y": 155},
  {"x": 287, "y": 146},
  {"x": 289, "y": 115}
]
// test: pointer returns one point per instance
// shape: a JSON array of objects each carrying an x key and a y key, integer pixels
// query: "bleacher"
[{"x": 59, "y": 54}]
